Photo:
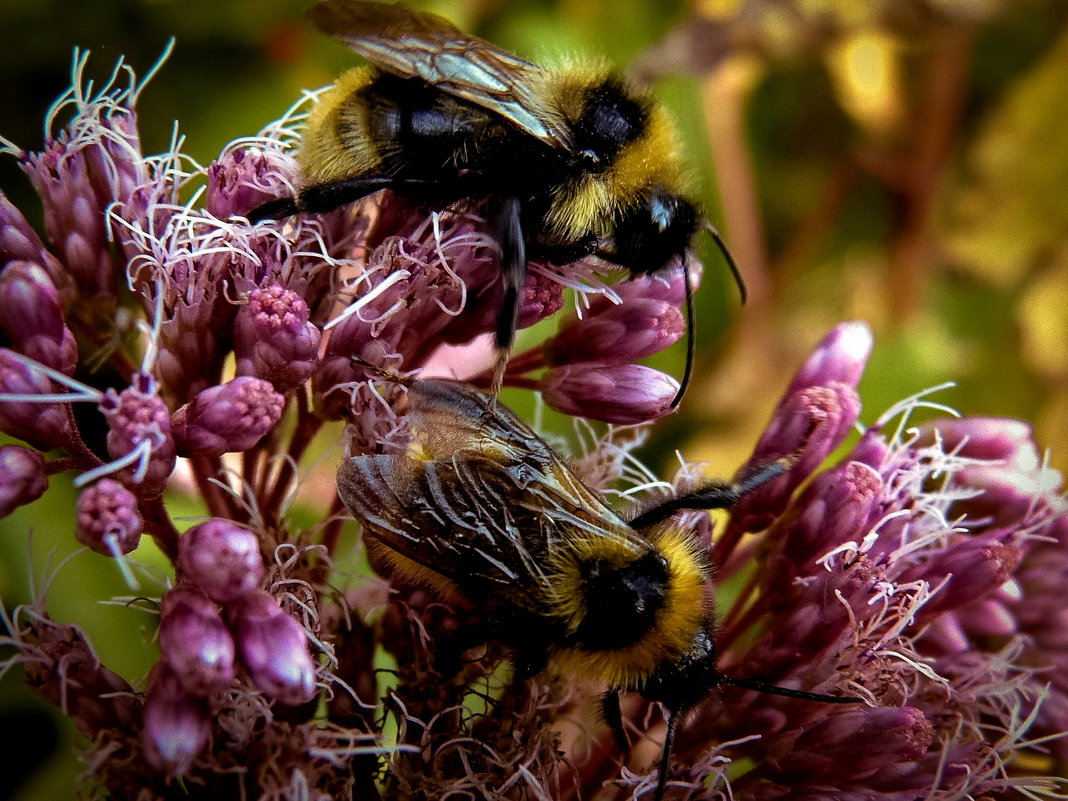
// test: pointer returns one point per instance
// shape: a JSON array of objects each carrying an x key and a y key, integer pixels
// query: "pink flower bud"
[
  {"x": 975, "y": 568},
  {"x": 139, "y": 422},
  {"x": 31, "y": 316},
  {"x": 838, "y": 506},
  {"x": 81, "y": 172},
  {"x": 19, "y": 242},
  {"x": 244, "y": 177},
  {"x": 176, "y": 724},
  {"x": 274, "y": 340},
  {"x": 43, "y": 425},
  {"x": 22, "y": 477},
  {"x": 229, "y": 417},
  {"x": 840, "y": 357},
  {"x": 273, "y": 647},
  {"x": 617, "y": 333},
  {"x": 541, "y": 297},
  {"x": 852, "y": 745},
  {"x": 992, "y": 438},
  {"x": 221, "y": 558},
  {"x": 807, "y": 425},
  {"x": 624, "y": 394},
  {"x": 195, "y": 642},
  {"x": 108, "y": 519}
]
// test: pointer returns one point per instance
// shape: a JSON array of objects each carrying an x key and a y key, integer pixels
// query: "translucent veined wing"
[
  {"x": 415, "y": 44},
  {"x": 479, "y": 499}
]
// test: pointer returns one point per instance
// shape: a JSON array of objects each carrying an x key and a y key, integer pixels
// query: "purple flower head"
[
  {"x": 95, "y": 160},
  {"x": 22, "y": 477},
  {"x": 273, "y": 648},
  {"x": 230, "y": 417},
  {"x": 177, "y": 725},
  {"x": 624, "y": 394},
  {"x": 195, "y": 642},
  {"x": 222, "y": 559},
  {"x": 32, "y": 319},
  {"x": 108, "y": 518},
  {"x": 274, "y": 340},
  {"x": 139, "y": 433}
]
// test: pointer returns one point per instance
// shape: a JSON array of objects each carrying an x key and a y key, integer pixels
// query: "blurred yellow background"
[{"x": 904, "y": 163}]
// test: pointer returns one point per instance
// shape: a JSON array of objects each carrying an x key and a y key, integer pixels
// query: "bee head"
[
  {"x": 682, "y": 682},
  {"x": 649, "y": 233}
]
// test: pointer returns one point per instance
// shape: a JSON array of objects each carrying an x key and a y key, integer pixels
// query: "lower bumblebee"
[
  {"x": 566, "y": 162},
  {"x": 480, "y": 507}
]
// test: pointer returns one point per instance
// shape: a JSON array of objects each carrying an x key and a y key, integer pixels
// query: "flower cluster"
[{"x": 922, "y": 572}]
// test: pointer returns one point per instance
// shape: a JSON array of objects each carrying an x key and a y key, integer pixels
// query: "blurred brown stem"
[
  {"x": 913, "y": 173},
  {"x": 725, "y": 92}
]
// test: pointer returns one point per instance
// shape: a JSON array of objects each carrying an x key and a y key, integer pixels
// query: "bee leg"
[
  {"x": 613, "y": 716},
  {"x": 319, "y": 198},
  {"x": 504, "y": 216},
  {"x": 716, "y": 495},
  {"x": 565, "y": 254}
]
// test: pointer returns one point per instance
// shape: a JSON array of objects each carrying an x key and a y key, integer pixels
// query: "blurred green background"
[{"x": 902, "y": 162}]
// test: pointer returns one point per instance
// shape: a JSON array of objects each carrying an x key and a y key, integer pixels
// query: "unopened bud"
[
  {"x": 22, "y": 477},
  {"x": 221, "y": 558},
  {"x": 273, "y": 647},
  {"x": 273, "y": 338},
  {"x": 108, "y": 519},
  {"x": 139, "y": 421},
  {"x": 195, "y": 642},
  {"x": 624, "y": 394},
  {"x": 229, "y": 417},
  {"x": 176, "y": 724}
]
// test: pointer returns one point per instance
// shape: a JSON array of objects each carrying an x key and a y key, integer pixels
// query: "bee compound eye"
[{"x": 590, "y": 160}]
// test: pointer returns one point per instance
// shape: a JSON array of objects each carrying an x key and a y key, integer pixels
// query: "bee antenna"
[
  {"x": 687, "y": 373},
  {"x": 665, "y": 756},
  {"x": 731, "y": 263},
  {"x": 786, "y": 692}
]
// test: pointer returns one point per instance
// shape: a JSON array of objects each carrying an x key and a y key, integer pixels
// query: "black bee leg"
[
  {"x": 504, "y": 216},
  {"x": 319, "y": 198},
  {"x": 716, "y": 495},
  {"x": 613, "y": 716},
  {"x": 665, "y": 755}
]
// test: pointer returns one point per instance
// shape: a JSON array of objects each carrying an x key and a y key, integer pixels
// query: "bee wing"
[
  {"x": 483, "y": 502},
  {"x": 415, "y": 44}
]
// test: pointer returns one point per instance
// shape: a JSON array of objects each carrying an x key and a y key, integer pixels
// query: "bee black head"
[
  {"x": 682, "y": 683},
  {"x": 651, "y": 232}
]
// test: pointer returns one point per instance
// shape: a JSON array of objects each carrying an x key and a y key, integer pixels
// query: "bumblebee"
[
  {"x": 480, "y": 507},
  {"x": 570, "y": 162}
]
